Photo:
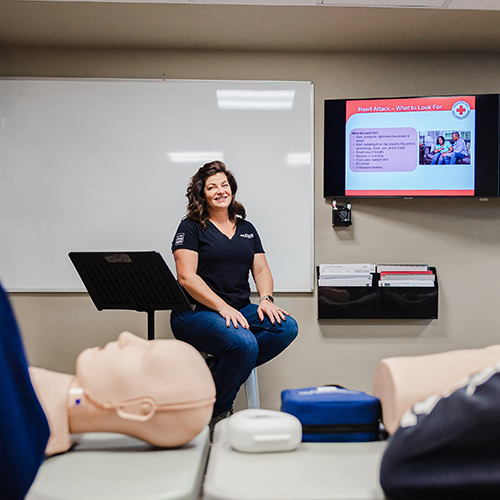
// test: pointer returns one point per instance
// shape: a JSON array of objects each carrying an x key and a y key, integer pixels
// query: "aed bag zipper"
[{"x": 340, "y": 428}]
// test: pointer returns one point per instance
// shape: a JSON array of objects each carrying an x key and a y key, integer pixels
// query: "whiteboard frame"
[{"x": 310, "y": 287}]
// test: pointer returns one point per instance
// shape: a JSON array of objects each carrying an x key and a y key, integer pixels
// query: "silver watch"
[{"x": 270, "y": 298}]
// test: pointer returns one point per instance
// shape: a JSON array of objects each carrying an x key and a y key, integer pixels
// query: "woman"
[
  {"x": 442, "y": 148},
  {"x": 214, "y": 249}
]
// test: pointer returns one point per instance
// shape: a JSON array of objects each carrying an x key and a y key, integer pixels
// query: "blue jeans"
[
  {"x": 454, "y": 157},
  {"x": 435, "y": 158},
  {"x": 239, "y": 350}
]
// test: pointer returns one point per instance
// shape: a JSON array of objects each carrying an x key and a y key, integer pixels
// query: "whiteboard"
[{"x": 103, "y": 165}]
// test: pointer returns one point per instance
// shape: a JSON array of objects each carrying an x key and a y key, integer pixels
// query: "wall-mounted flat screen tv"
[{"x": 445, "y": 146}]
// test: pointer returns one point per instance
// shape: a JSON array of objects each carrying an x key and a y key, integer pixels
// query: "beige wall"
[{"x": 461, "y": 238}]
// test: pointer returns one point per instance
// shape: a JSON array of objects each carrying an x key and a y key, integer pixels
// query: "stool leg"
[{"x": 252, "y": 390}]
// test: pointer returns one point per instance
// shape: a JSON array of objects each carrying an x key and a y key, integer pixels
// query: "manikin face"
[
  {"x": 132, "y": 367},
  {"x": 160, "y": 391},
  {"x": 217, "y": 192}
]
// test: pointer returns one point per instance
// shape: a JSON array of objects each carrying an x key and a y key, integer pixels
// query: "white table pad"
[
  {"x": 114, "y": 466},
  {"x": 315, "y": 471}
]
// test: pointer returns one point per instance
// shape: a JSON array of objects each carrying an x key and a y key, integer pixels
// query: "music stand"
[{"x": 139, "y": 281}]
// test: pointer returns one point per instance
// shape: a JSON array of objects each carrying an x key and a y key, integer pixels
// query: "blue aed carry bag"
[{"x": 334, "y": 414}]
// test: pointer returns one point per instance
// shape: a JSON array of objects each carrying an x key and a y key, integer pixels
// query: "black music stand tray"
[{"x": 139, "y": 281}]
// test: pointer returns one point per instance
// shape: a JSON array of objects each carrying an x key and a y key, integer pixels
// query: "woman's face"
[
  {"x": 440, "y": 140},
  {"x": 218, "y": 195}
]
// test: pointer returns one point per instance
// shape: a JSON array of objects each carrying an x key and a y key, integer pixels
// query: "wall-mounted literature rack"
[{"x": 383, "y": 299}]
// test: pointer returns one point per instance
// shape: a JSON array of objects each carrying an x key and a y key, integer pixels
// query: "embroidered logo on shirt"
[
  {"x": 179, "y": 239},
  {"x": 246, "y": 235}
]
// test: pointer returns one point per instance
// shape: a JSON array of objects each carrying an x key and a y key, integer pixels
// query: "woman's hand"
[
  {"x": 267, "y": 308},
  {"x": 232, "y": 315},
  {"x": 264, "y": 281}
]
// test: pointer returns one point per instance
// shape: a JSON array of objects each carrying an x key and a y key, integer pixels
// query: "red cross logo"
[{"x": 461, "y": 110}]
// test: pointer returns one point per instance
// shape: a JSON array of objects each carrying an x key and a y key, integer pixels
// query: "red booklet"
[{"x": 405, "y": 272}]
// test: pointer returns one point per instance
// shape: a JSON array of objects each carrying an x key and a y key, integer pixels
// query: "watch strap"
[{"x": 270, "y": 298}]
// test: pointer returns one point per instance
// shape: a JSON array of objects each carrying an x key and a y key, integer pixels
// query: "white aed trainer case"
[{"x": 259, "y": 431}]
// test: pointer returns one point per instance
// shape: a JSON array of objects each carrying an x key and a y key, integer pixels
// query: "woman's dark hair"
[
  {"x": 197, "y": 206},
  {"x": 440, "y": 137}
]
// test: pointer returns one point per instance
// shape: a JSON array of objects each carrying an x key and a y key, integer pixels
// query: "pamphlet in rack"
[
  {"x": 394, "y": 275},
  {"x": 406, "y": 275},
  {"x": 406, "y": 283},
  {"x": 346, "y": 275},
  {"x": 381, "y": 268}
]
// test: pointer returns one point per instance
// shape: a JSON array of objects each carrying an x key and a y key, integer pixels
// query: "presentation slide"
[{"x": 419, "y": 146}]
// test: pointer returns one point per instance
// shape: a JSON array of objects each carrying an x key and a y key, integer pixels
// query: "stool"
[
  {"x": 252, "y": 390},
  {"x": 251, "y": 383}
]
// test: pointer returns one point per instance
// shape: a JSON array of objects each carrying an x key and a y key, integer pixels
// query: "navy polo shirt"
[
  {"x": 223, "y": 263},
  {"x": 24, "y": 430},
  {"x": 449, "y": 450}
]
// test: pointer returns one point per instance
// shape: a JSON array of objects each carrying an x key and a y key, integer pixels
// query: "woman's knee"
[
  {"x": 244, "y": 344},
  {"x": 290, "y": 329},
  {"x": 284, "y": 333}
]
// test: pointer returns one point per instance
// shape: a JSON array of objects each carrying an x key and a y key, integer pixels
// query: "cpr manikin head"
[{"x": 160, "y": 391}]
